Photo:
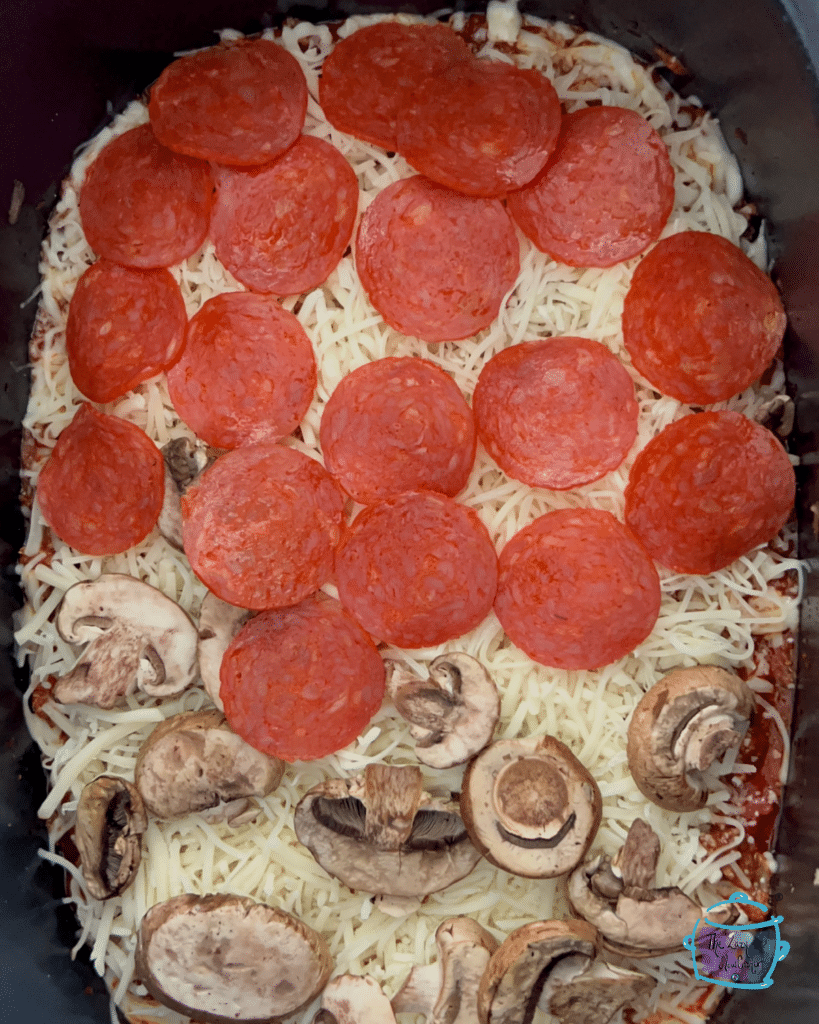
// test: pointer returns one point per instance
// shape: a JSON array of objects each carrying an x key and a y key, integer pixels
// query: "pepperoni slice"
[
  {"x": 577, "y": 590},
  {"x": 248, "y": 372},
  {"x": 707, "y": 490},
  {"x": 142, "y": 205},
  {"x": 101, "y": 490},
  {"x": 436, "y": 264},
  {"x": 371, "y": 75},
  {"x": 398, "y": 424},
  {"x": 605, "y": 195},
  {"x": 700, "y": 320},
  {"x": 327, "y": 684},
  {"x": 261, "y": 525},
  {"x": 239, "y": 103},
  {"x": 283, "y": 227},
  {"x": 556, "y": 413},
  {"x": 417, "y": 569},
  {"x": 123, "y": 327},
  {"x": 481, "y": 127}
]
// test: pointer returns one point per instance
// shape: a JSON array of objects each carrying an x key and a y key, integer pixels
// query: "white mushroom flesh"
[
  {"x": 219, "y": 622},
  {"x": 353, "y": 999}
]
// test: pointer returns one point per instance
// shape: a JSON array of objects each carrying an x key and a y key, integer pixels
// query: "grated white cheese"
[{"x": 714, "y": 619}]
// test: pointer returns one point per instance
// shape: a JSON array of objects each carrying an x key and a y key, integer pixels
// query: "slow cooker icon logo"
[{"x": 738, "y": 955}]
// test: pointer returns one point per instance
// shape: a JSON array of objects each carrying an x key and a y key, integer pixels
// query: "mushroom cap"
[
  {"x": 680, "y": 727},
  {"x": 108, "y": 834},
  {"x": 530, "y": 806},
  {"x": 453, "y": 713},
  {"x": 228, "y": 958},
  {"x": 219, "y": 622},
  {"x": 633, "y": 918},
  {"x": 594, "y": 996},
  {"x": 519, "y": 969},
  {"x": 137, "y": 639},
  {"x": 380, "y": 833},
  {"x": 194, "y": 761},
  {"x": 354, "y": 999},
  {"x": 184, "y": 460}
]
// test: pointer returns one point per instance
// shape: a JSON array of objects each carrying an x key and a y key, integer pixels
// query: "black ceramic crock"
[{"x": 65, "y": 64}]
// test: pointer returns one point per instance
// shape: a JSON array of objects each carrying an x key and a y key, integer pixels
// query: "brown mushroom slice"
[
  {"x": 353, "y": 999},
  {"x": 136, "y": 637},
  {"x": 634, "y": 919},
  {"x": 228, "y": 958},
  {"x": 219, "y": 622},
  {"x": 194, "y": 761},
  {"x": 184, "y": 460},
  {"x": 446, "y": 992},
  {"x": 596, "y": 995},
  {"x": 380, "y": 833},
  {"x": 452, "y": 714},
  {"x": 537, "y": 954},
  {"x": 111, "y": 819},
  {"x": 680, "y": 727},
  {"x": 530, "y": 806}
]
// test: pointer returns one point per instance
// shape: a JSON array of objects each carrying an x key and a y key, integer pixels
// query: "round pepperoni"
[
  {"x": 605, "y": 195},
  {"x": 398, "y": 424},
  {"x": 417, "y": 569},
  {"x": 576, "y": 590},
  {"x": 481, "y": 127},
  {"x": 707, "y": 490},
  {"x": 102, "y": 489},
  {"x": 248, "y": 372},
  {"x": 260, "y": 526},
  {"x": 700, "y": 320},
  {"x": 283, "y": 227},
  {"x": 142, "y": 205},
  {"x": 372, "y": 74},
  {"x": 239, "y": 103},
  {"x": 124, "y": 326},
  {"x": 556, "y": 413},
  {"x": 436, "y": 264},
  {"x": 326, "y": 684}
]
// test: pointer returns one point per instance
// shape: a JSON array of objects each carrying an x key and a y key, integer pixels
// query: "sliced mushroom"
[
  {"x": 453, "y": 713},
  {"x": 619, "y": 899},
  {"x": 530, "y": 806},
  {"x": 108, "y": 834},
  {"x": 353, "y": 999},
  {"x": 380, "y": 833},
  {"x": 219, "y": 622},
  {"x": 184, "y": 461},
  {"x": 539, "y": 953},
  {"x": 681, "y": 726},
  {"x": 596, "y": 995},
  {"x": 136, "y": 639},
  {"x": 446, "y": 992},
  {"x": 194, "y": 761},
  {"x": 227, "y": 958}
]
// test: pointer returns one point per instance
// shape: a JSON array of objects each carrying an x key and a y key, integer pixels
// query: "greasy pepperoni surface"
[
  {"x": 606, "y": 193},
  {"x": 248, "y": 372},
  {"x": 142, "y": 205},
  {"x": 101, "y": 490},
  {"x": 283, "y": 227},
  {"x": 239, "y": 103},
  {"x": 700, "y": 320},
  {"x": 261, "y": 525},
  {"x": 398, "y": 424},
  {"x": 417, "y": 569},
  {"x": 481, "y": 127},
  {"x": 576, "y": 590},
  {"x": 708, "y": 489},
  {"x": 372, "y": 74},
  {"x": 434, "y": 263},
  {"x": 124, "y": 326},
  {"x": 556, "y": 413},
  {"x": 302, "y": 682}
]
